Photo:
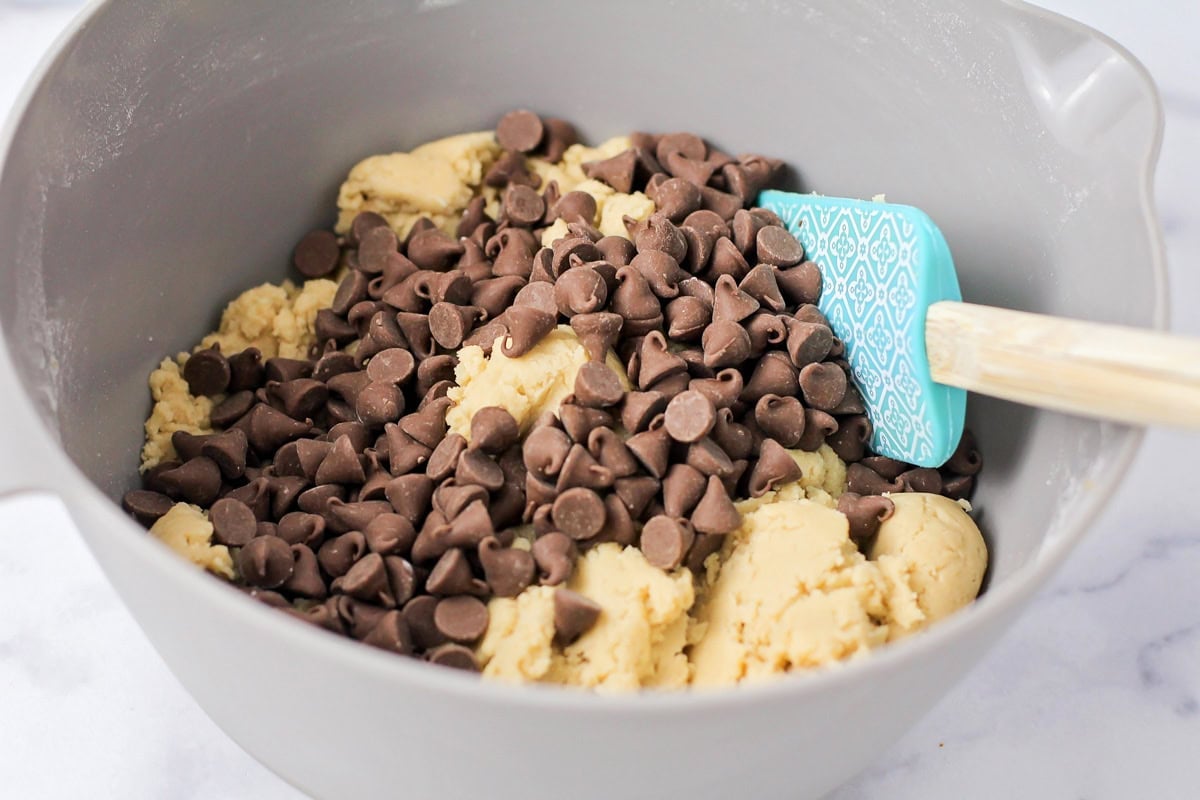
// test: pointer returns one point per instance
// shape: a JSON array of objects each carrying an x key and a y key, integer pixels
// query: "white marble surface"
[{"x": 1095, "y": 694}]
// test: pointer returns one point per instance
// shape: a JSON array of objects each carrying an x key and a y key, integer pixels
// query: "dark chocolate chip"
[
  {"x": 454, "y": 656},
  {"x": 316, "y": 255},
  {"x": 207, "y": 372},
  {"x": 146, "y": 506}
]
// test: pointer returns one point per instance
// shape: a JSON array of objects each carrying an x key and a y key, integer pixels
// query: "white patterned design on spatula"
[{"x": 868, "y": 264}]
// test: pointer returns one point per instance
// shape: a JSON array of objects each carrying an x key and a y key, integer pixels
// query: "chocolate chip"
[
  {"x": 801, "y": 284},
  {"x": 257, "y": 495},
  {"x": 636, "y": 493},
  {"x": 781, "y": 418},
  {"x": 921, "y": 479},
  {"x": 265, "y": 562},
  {"x": 660, "y": 233},
  {"x": 444, "y": 459},
  {"x": 454, "y": 656},
  {"x": 580, "y": 468},
  {"x": 773, "y": 374},
  {"x": 231, "y": 409},
  {"x": 461, "y": 619},
  {"x": 864, "y": 514},
  {"x": 864, "y": 481},
  {"x": 305, "y": 580},
  {"x": 188, "y": 445},
  {"x": 300, "y": 527},
  {"x": 234, "y": 523},
  {"x": 723, "y": 204},
  {"x": 554, "y": 553},
  {"x": 433, "y": 250},
  {"x": 523, "y": 206},
  {"x": 379, "y": 402},
  {"x": 652, "y": 448},
  {"x": 778, "y": 247},
  {"x": 300, "y": 399},
  {"x": 344, "y": 516},
  {"x": 410, "y": 496},
  {"x": 682, "y": 488},
  {"x": 375, "y": 248},
  {"x": 560, "y": 135},
  {"x": 476, "y": 467},
  {"x": 704, "y": 546},
  {"x": 363, "y": 222},
  {"x": 579, "y": 513},
  {"x": 665, "y": 541},
  {"x": 580, "y": 290},
  {"x": 735, "y": 439},
  {"x": 576, "y": 207},
  {"x": 610, "y": 451},
  {"x": 817, "y": 426},
  {"x": 452, "y": 499},
  {"x": 715, "y": 512},
  {"x": 807, "y": 342},
  {"x": 367, "y": 580},
  {"x": 391, "y": 633},
  {"x": 526, "y": 327},
  {"x": 616, "y": 171},
  {"x": 597, "y": 331},
  {"x": 774, "y": 468},
  {"x": 823, "y": 385},
  {"x": 966, "y": 458},
  {"x": 690, "y": 416},
  {"x": 510, "y": 169},
  {"x": 418, "y": 615},
  {"x": 579, "y": 421},
  {"x": 508, "y": 570},
  {"x": 574, "y": 615},
  {"x": 725, "y": 343},
  {"x": 207, "y": 372},
  {"x": 520, "y": 130},
  {"x": 340, "y": 465},
  {"x": 268, "y": 429},
  {"x": 146, "y": 506},
  {"x": 597, "y": 386},
  {"x": 316, "y": 255},
  {"x": 196, "y": 481},
  {"x": 851, "y": 438}
]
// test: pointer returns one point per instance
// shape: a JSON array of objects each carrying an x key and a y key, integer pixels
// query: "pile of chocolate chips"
[{"x": 345, "y": 499}]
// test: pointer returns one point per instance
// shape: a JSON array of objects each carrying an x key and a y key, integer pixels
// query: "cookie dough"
[
  {"x": 527, "y": 386},
  {"x": 436, "y": 180},
  {"x": 792, "y": 590},
  {"x": 187, "y": 531},
  {"x": 637, "y": 642},
  {"x": 175, "y": 409},
  {"x": 931, "y": 547},
  {"x": 278, "y": 320}
]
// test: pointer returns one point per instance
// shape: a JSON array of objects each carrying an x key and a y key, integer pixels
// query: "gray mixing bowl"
[{"x": 167, "y": 155}]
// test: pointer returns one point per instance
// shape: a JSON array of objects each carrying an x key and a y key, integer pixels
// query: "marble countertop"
[{"x": 1094, "y": 694}]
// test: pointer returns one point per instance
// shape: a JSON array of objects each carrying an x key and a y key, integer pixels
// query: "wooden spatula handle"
[{"x": 1108, "y": 371}]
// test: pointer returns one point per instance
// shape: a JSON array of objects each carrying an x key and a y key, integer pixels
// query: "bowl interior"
[{"x": 161, "y": 171}]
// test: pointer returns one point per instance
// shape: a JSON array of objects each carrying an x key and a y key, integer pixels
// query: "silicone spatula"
[{"x": 890, "y": 292}]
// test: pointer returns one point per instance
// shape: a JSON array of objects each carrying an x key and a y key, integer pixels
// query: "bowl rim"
[{"x": 355, "y": 657}]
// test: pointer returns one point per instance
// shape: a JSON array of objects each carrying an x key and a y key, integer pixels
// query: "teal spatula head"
[{"x": 882, "y": 265}]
